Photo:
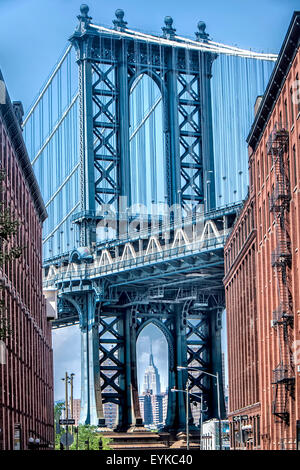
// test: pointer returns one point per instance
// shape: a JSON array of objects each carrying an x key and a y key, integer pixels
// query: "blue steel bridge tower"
[
  {"x": 152, "y": 268},
  {"x": 109, "y": 64}
]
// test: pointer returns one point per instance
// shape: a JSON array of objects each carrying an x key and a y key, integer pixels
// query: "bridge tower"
[{"x": 114, "y": 307}]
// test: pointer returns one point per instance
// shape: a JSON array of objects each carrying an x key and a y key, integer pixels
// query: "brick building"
[
  {"x": 26, "y": 377},
  {"x": 262, "y": 269}
]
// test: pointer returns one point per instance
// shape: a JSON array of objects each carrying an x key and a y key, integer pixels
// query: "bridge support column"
[
  {"x": 207, "y": 131},
  {"x": 173, "y": 131},
  {"x": 123, "y": 120},
  {"x": 181, "y": 375},
  {"x": 137, "y": 421},
  {"x": 92, "y": 409}
]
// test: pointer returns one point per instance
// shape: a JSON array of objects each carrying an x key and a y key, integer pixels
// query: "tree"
[
  {"x": 8, "y": 252},
  {"x": 88, "y": 438},
  {"x": 58, "y": 408}
]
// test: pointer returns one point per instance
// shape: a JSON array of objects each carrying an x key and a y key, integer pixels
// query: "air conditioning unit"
[{"x": 51, "y": 303}]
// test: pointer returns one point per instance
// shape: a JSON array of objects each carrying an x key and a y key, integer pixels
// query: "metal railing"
[
  {"x": 283, "y": 374},
  {"x": 282, "y": 254},
  {"x": 88, "y": 271}
]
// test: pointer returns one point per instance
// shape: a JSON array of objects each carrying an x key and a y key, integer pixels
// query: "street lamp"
[
  {"x": 33, "y": 444},
  {"x": 216, "y": 376},
  {"x": 188, "y": 393},
  {"x": 187, "y": 411}
]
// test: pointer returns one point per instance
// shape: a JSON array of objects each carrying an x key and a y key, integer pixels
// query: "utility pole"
[
  {"x": 187, "y": 416},
  {"x": 71, "y": 399},
  {"x": 219, "y": 411},
  {"x": 201, "y": 419},
  {"x": 66, "y": 379}
]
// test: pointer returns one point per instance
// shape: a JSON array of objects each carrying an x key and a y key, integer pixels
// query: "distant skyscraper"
[
  {"x": 153, "y": 403},
  {"x": 151, "y": 377}
]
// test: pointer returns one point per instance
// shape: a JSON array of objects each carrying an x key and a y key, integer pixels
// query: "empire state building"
[
  {"x": 151, "y": 377},
  {"x": 153, "y": 403}
]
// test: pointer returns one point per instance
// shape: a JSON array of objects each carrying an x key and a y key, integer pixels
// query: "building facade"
[
  {"x": 262, "y": 270},
  {"x": 26, "y": 373},
  {"x": 242, "y": 325}
]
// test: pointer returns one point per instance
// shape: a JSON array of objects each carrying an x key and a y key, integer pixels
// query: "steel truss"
[{"x": 116, "y": 289}]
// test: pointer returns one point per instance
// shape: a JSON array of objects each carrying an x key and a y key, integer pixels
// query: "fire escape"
[{"x": 283, "y": 374}]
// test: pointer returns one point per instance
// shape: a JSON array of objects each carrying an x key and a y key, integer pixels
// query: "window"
[
  {"x": 295, "y": 165},
  {"x": 286, "y": 114},
  {"x": 262, "y": 168},
  {"x": 298, "y": 93},
  {"x": 269, "y": 219},
  {"x": 258, "y": 176},
  {"x": 280, "y": 120},
  {"x": 292, "y": 104}
]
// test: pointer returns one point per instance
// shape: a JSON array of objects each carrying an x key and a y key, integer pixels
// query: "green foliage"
[
  {"x": 5, "y": 329},
  {"x": 88, "y": 438},
  {"x": 58, "y": 408}
]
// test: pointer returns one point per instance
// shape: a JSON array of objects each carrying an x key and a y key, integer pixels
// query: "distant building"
[
  {"x": 146, "y": 408},
  {"x": 110, "y": 414},
  {"x": 110, "y": 409},
  {"x": 76, "y": 410},
  {"x": 211, "y": 435},
  {"x": 165, "y": 405}
]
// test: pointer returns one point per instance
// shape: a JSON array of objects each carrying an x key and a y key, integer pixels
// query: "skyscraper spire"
[
  {"x": 151, "y": 377},
  {"x": 151, "y": 363}
]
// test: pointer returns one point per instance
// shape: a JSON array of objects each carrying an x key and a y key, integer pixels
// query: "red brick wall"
[
  {"x": 286, "y": 114},
  {"x": 26, "y": 380},
  {"x": 241, "y": 312},
  {"x": 257, "y": 285}
]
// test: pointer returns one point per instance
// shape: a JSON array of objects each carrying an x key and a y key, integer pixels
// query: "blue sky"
[{"x": 34, "y": 33}]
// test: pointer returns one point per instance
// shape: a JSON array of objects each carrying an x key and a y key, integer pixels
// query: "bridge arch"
[
  {"x": 166, "y": 332},
  {"x": 171, "y": 362},
  {"x": 155, "y": 77},
  {"x": 147, "y": 138}
]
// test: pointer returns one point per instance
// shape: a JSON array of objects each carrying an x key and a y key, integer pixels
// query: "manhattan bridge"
[{"x": 138, "y": 144}]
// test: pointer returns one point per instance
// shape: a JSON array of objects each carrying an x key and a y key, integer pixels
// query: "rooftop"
[{"x": 285, "y": 58}]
